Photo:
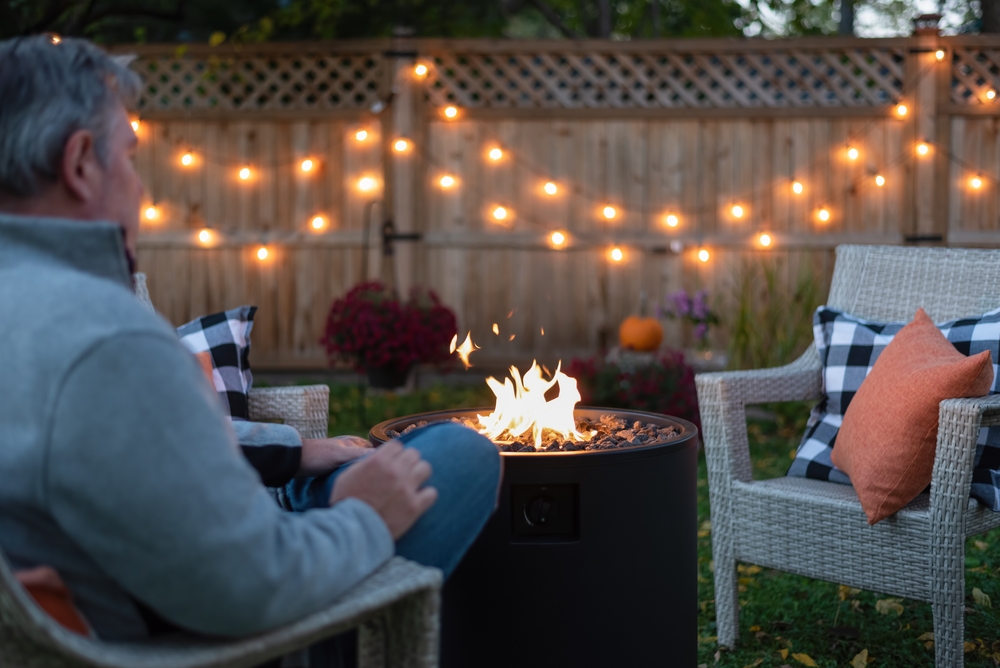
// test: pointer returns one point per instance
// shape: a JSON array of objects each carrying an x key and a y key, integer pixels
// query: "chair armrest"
[
  {"x": 959, "y": 422},
  {"x": 305, "y": 407},
  {"x": 722, "y": 400}
]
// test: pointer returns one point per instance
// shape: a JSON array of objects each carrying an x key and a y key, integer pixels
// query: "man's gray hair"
[{"x": 49, "y": 89}]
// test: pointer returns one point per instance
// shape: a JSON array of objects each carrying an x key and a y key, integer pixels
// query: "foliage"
[
  {"x": 372, "y": 328},
  {"x": 771, "y": 322},
  {"x": 664, "y": 386},
  {"x": 693, "y": 309}
]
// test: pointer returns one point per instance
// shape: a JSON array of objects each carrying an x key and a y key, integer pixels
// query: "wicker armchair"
[
  {"x": 396, "y": 610},
  {"x": 816, "y": 528}
]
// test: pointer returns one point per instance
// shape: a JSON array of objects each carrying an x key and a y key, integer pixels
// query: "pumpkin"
[{"x": 638, "y": 333}]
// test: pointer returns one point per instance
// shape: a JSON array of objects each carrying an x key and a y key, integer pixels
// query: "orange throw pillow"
[
  {"x": 53, "y": 596},
  {"x": 887, "y": 441}
]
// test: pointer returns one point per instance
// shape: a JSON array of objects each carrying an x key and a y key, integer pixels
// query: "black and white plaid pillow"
[
  {"x": 848, "y": 347},
  {"x": 227, "y": 337}
]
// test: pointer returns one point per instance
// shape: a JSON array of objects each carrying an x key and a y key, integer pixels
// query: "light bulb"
[
  {"x": 55, "y": 39},
  {"x": 901, "y": 109},
  {"x": 939, "y": 54},
  {"x": 318, "y": 222},
  {"x": 307, "y": 165},
  {"x": 366, "y": 183},
  {"x": 262, "y": 253},
  {"x": 245, "y": 173},
  {"x": 672, "y": 221},
  {"x": 976, "y": 182},
  {"x": 616, "y": 254},
  {"x": 447, "y": 181},
  {"x": 451, "y": 112},
  {"x": 879, "y": 180},
  {"x": 923, "y": 148},
  {"x": 495, "y": 154},
  {"x": 204, "y": 236},
  {"x": 737, "y": 211},
  {"x": 558, "y": 238},
  {"x": 797, "y": 187},
  {"x": 187, "y": 159},
  {"x": 852, "y": 153},
  {"x": 765, "y": 240},
  {"x": 401, "y": 145},
  {"x": 151, "y": 213},
  {"x": 361, "y": 135},
  {"x": 703, "y": 255},
  {"x": 420, "y": 70},
  {"x": 610, "y": 212},
  {"x": 135, "y": 126},
  {"x": 551, "y": 188},
  {"x": 499, "y": 213},
  {"x": 990, "y": 94},
  {"x": 823, "y": 215}
]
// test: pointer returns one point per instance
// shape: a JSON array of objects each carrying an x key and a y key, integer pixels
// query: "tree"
[{"x": 989, "y": 16}]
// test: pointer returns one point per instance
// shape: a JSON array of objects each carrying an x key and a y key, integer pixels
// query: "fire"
[
  {"x": 464, "y": 350},
  {"x": 522, "y": 407}
]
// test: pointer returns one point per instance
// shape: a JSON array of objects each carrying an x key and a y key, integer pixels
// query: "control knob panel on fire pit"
[{"x": 544, "y": 513}]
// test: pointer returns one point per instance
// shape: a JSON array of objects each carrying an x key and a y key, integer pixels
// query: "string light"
[
  {"x": 672, "y": 220},
  {"x": 262, "y": 253},
  {"x": 976, "y": 182},
  {"x": 764, "y": 239},
  {"x": 450, "y": 112},
  {"x": 55, "y": 39},
  {"x": 366, "y": 183},
  {"x": 939, "y": 54},
  {"x": 852, "y": 153},
  {"x": 703, "y": 255},
  {"x": 447, "y": 181},
  {"x": 879, "y": 180},
  {"x": 551, "y": 188},
  {"x": 495, "y": 154},
  {"x": 823, "y": 215},
  {"x": 923, "y": 148},
  {"x": 205, "y": 237},
  {"x": 737, "y": 211},
  {"x": 318, "y": 223},
  {"x": 557, "y": 239},
  {"x": 361, "y": 135},
  {"x": 901, "y": 110},
  {"x": 617, "y": 255},
  {"x": 420, "y": 70},
  {"x": 187, "y": 159},
  {"x": 610, "y": 212},
  {"x": 152, "y": 213},
  {"x": 135, "y": 126},
  {"x": 245, "y": 173},
  {"x": 990, "y": 94},
  {"x": 307, "y": 165},
  {"x": 797, "y": 187},
  {"x": 499, "y": 213},
  {"x": 401, "y": 145}
]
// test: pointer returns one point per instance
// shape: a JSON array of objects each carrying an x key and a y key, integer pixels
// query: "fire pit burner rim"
[{"x": 688, "y": 431}]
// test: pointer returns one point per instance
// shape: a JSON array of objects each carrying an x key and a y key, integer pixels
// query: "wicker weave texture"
[{"x": 817, "y": 528}]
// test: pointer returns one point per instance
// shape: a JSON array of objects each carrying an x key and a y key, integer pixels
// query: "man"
[{"x": 118, "y": 468}]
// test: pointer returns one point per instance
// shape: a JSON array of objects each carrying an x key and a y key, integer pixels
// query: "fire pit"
[{"x": 590, "y": 559}]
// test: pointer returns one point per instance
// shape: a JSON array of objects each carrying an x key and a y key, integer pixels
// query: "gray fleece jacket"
[{"x": 119, "y": 469}]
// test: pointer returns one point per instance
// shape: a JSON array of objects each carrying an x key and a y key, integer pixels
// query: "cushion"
[
  {"x": 848, "y": 346},
  {"x": 226, "y": 336},
  {"x": 888, "y": 437}
]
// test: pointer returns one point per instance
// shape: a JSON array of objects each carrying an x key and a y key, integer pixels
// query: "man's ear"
[{"x": 81, "y": 171}]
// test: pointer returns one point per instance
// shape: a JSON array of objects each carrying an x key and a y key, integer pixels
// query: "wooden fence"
[{"x": 650, "y": 148}]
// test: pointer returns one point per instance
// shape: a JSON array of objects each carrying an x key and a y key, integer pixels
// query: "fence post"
[
  {"x": 929, "y": 172},
  {"x": 402, "y": 166}
]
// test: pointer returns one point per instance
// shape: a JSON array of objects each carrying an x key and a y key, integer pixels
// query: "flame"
[
  {"x": 465, "y": 349},
  {"x": 521, "y": 406}
]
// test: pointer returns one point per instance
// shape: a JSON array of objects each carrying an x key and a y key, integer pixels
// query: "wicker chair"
[
  {"x": 396, "y": 609},
  {"x": 817, "y": 528}
]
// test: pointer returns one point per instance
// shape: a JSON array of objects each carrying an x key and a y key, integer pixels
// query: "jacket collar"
[{"x": 95, "y": 248}]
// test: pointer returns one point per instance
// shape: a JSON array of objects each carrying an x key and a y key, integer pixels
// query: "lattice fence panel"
[
  {"x": 261, "y": 83},
  {"x": 975, "y": 72},
  {"x": 840, "y": 78}
]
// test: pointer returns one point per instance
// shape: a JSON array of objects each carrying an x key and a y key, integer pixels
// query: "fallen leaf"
[
  {"x": 980, "y": 545},
  {"x": 887, "y": 605},
  {"x": 792, "y": 453},
  {"x": 969, "y": 646},
  {"x": 929, "y": 644},
  {"x": 980, "y": 598},
  {"x": 783, "y": 653},
  {"x": 926, "y": 636},
  {"x": 860, "y": 659},
  {"x": 744, "y": 581},
  {"x": 844, "y": 592},
  {"x": 754, "y": 664},
  {"x": 856, "y": 605},
  {"x": 754, "y": 628},
  {"x": 804, "y": 659},
  {"x": 708, "y": 639},
  {"x": 752, "y": 569}
]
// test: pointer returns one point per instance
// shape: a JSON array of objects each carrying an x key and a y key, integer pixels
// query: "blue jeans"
[{"x": 466, "y": 472}]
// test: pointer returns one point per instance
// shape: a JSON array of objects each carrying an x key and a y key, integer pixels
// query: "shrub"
[{"x": 371, "y": 328}]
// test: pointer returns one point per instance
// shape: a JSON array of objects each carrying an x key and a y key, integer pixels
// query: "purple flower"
[
  {"x": 682, "y": 303},
  {"x": 699, "y": 308},
  {"x": 700, "y": 331}
]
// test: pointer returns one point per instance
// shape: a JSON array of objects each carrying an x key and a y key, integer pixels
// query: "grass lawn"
[{"x": 785, "y": 619}]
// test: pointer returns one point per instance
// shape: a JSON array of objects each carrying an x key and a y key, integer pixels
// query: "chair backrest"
[{"x": 889, "y": 283}]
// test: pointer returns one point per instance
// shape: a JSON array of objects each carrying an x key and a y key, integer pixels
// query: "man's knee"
[{"x": 457, "y": 446}]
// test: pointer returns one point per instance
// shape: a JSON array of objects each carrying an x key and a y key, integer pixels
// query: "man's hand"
[
  {"x": 322, "y": 455},
  {"x": 390, "y": 482}
]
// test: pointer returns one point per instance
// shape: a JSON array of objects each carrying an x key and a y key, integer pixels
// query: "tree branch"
[
  {"x": 552, "y": 17},
  {"x": 45, "y": 23},
  {"x": 176, "y": 15}
]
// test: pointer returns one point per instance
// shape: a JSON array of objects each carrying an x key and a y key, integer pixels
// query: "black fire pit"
[{"x": 590, "y": 559}]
